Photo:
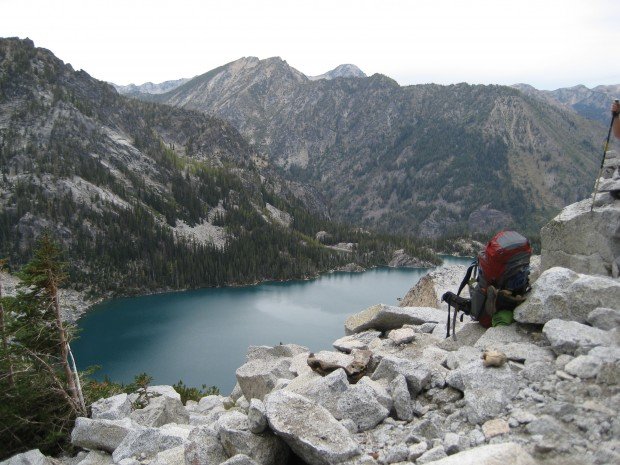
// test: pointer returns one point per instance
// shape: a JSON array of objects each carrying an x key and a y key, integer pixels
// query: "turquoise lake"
[{"x": 201, "y": 336}]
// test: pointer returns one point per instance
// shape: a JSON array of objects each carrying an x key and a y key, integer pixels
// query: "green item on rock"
[{"x": 503, "y": 318}]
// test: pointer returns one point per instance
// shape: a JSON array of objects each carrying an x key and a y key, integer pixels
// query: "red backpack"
[{"x": 503, "y": 268}]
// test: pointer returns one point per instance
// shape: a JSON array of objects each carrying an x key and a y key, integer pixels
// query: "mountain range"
[
  {"x": 228, "y": 177},
  {"x": 145, "y": 196},
  {"x": 149, "y": 87},
  {"x": 427, "y": 160},
  {"x": 592, "y": 103}
]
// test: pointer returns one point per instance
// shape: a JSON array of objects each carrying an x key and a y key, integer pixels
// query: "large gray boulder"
[
  {"x": 265, "y": 366},
  {"x": 32, "y": 457},
  {"x": 403, "y": 406},
  {"x": 259, "y": 377},
  {"x": 498, "y": 336},
  {"x": 383, "y": 317},
  {"x": 359, "y": 403},
  {"x": 309, "y": 429},
  {"x": 299, "y": 364},
  {"x": 206, "y": 411},
  {"x": 402, "y": 336},
  {"x": 174, "y": 456},
  {"x": 356, "y": 341},
  {"x": 208, "y": 403},
  {"x": 428, "y": 290},
  {"x": 327, "y": 358},
  {"x": 380, "y": 392},
  {"x": 570, "y": 337},
  {"x": 325, "y": 391},
  {"x": 148, "y": 442},
  {"x": 257, "y": 419},
  {"x": 474, "y": 375},
  {"x": 204, "y": 447},
  {"x": 605, "y": 318},
  {"x": 482, "y": 405},
  {"x": 112, "y": 408},
  {"x": 488, "y": 390},
  {"x": 236, "y": 438},
  {"x": 417, "y": 373},
  {"x": 103, "y": 435},
  {"x": 584, "y": 366},
  {"x": 525, "y": 352},
  {"x": 567, "y": 295},
  {"x": 584, "y": 241},
  {"x": 606, "y": 354},
  {"x": 164, "y": 390},
  {"x": 492, "y": 454},
  {"x": 161, "y": 411}
]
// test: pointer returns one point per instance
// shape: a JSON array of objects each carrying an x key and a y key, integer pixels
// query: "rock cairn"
[{"x": 550, "y": 396}]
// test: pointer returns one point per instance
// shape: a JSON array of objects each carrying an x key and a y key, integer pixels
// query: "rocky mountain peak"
[{"x": 340, "y": 71}]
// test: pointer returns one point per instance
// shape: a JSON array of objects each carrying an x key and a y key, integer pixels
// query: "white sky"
[{"x": 546, "y": 43}]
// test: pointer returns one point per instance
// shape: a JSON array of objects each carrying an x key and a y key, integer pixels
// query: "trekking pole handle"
[{"x": 614, "y": 114}]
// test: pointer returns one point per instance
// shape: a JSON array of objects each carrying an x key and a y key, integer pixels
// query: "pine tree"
[
  {"x": 41, "y": 279},
  {"x": 40, "y": 402}
]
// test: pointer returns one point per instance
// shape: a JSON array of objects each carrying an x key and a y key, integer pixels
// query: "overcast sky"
[{"x": 546, "y": 43}]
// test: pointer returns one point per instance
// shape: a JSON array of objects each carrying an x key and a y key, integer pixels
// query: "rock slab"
[
  {"x": 383, "y": 318},
  {"x": 584, "y": 241},
  {"x": 309, "y": 429},
  {"x": 112, "y": 408},
  {"x": 103, "y": 435},
  {"x": 573, "y": 338},
  {"x": 564, "y": 294}
]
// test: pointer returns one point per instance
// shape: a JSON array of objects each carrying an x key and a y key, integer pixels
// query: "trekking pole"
[{"x": 614, "y": 114}]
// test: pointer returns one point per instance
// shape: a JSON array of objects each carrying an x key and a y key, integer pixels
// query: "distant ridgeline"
[
  {"x": 144, "y": 196},
  {"x": 424, "y": 159}
]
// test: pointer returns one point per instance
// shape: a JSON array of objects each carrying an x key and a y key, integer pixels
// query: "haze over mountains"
[{"x": 424, "y": 159}]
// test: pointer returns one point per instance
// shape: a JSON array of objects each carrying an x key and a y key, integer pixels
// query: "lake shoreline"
[
  {"x": 77, "y": 303},
  {"x": 82, "y": 304},
  {"x": 154, "y": 333}
]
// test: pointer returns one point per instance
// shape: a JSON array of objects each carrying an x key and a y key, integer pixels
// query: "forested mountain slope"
[
  {"x": 144, "y": 196},
  {"x": 423, "y": 159}
]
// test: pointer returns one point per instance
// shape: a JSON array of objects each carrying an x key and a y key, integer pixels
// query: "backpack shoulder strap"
[{"x": 467, "y": 277}]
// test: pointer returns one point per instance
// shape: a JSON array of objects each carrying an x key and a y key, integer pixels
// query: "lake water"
[{"x": 202, "y": 336}]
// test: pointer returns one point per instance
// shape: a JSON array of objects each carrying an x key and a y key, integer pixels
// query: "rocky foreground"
[{"x": 395, "y": 390}]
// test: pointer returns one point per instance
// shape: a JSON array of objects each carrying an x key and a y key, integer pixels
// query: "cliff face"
[{"x": 417, "y": 159}]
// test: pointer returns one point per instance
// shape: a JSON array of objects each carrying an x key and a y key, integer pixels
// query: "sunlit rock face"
[{"x": 584, "y": 237}]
